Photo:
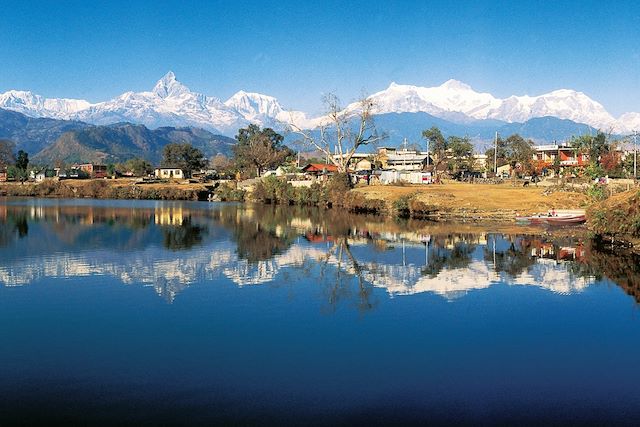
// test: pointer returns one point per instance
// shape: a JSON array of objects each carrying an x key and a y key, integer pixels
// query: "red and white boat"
[{"x": 556, "y": 217}]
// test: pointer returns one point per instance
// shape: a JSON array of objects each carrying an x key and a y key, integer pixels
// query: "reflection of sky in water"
[{"x": 306, "y": 332}]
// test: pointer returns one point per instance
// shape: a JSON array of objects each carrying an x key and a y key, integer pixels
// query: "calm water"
[{"x": 114, "y": 311}]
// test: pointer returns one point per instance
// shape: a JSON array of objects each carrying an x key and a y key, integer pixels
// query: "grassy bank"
[
  {"x": 106, "y": 189},
  {"x": 453, "y": 200},
  {"x": 617, "y": 219}
]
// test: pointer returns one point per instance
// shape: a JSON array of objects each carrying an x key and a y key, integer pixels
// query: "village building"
[
  {"x": 3, "y": 174},
  {"x": 561, "y": 154},
  {"x": 42, "y": 174},
  {"x": 319, "y": 169},
  {"x": 92, "y": 170},
  {"x": 403, "y": 159},
  {"x": 169, "y": 173}
]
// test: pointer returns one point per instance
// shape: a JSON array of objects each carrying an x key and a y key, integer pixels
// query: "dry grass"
[{"x": 456, "y": 196}]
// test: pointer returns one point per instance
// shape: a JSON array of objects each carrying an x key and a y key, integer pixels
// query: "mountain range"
[
  {"x": 171, "y": 103},
  {"x": 51, "y": 141}
]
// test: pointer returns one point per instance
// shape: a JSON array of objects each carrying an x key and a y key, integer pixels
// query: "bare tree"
[{"x": 342, "y": 131}]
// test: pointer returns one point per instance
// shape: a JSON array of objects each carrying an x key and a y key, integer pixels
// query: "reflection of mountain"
[{"x": 172, "y": 246}]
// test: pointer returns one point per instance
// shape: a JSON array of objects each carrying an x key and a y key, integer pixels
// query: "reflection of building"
[{"x": 169, "y": 215}]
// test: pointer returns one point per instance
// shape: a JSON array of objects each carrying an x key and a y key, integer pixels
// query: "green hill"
[{"x": 123, "y": 141}]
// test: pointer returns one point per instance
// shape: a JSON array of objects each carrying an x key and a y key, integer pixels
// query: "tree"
[
  {"x": 342, "y": 131},
  {"x": 22, "y": 160},
  {"x": 183, "y": 156},
  {"x": 461, "y": 151},
  {"x": 222, "y": 165},
  {"x": 499, "y": 153},
  {"x": 6, "y": 152},
  {"x": 138, "y": 166},
  {"x": 519, "y": 153},
  {"x": 514, "y": 151},
  {"x": 259, "y": 149},
  {"x": 594, "y": 146},
  {"x": 436, "y": 144}
]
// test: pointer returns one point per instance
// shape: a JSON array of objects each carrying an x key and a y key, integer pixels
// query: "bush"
[
  {"x": 402, "y": 205},
  {"x": 272, "y": 190},
  {"x": 229, "y": 193},
  {"x": 597, "y": 192}
]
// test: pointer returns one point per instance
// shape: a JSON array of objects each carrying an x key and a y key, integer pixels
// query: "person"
[{"x": 553, "y": 212}]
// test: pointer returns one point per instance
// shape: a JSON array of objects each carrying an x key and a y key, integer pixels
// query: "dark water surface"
[{"x": 181, "y": 313}]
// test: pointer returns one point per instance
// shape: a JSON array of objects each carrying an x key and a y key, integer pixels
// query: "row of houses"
[
  {"x": 88, "y": 170},
  {"x": 402, "y": 159}
]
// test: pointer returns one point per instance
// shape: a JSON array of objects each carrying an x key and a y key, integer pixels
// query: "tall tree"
[
  {"x": 342, "y": 131},
  {"x": 183, "y": 156},
  {"x": 514, "y": 151},
  {"x": 22, "y": 160},
  {"x": 436, "y": 144},
  {"x": 138, "y": 166},
  {"x": 461, "y": 152},
  {"x": 594, "y": 146},
  {"x": 259, "y": 149},
  {"x": 519, "y": 152}
]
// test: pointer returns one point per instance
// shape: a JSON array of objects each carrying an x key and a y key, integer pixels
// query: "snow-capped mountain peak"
[
  {"x": 169, "y": 86},
  {"x": 453, "y": 84},
  {"x": 254, "y": 104}
]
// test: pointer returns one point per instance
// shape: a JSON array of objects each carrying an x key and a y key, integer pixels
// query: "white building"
[{"x": 169, "y": 173}]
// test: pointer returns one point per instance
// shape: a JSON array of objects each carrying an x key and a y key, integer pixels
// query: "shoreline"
[{"x": 451, "y": 202}]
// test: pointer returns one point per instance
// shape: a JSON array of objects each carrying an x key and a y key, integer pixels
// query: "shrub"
[
  {"x": 597, "y": 192},
  {"x": 401, "y": 205},
  {"x": 229, "y": 193}
]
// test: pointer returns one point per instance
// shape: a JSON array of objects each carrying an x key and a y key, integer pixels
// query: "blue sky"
[{"x": 296, "y": 51}]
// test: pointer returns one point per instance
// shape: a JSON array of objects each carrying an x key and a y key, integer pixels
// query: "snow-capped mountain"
[
  {"x": 36, "y": 106},
  {"x": 266, "y": 111},
  {"x": 629, "y": 122},
  {"x": 171, "y": 103},
  {"x": 454, "y": 97}
]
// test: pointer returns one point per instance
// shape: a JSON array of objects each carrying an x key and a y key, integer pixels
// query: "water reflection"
[{"x": 171, "y": 246}]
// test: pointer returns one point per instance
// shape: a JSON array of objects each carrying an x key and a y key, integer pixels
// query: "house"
[
  {"x": 41, "y": 174},
  {"x": 169, "y": 173},
  {"x": 3, "y": 174},
  {"x": 563, "y": 154},
  {"x": 358, "y": 161},
  {"x": 318, "y": 169},
  {"x": 403, "y": 159},
  {"x": 92, "y": 170}
]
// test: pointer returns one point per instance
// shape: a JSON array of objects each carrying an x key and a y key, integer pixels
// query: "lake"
[{"x": 192, "y": 312}]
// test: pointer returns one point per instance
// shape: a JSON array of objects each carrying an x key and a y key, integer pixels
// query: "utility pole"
[
  {"x": 495, "y": 156},
  {"x": 635, "y": 155}
]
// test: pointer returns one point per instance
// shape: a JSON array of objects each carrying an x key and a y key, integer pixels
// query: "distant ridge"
[{"x": 49, "y": 141}]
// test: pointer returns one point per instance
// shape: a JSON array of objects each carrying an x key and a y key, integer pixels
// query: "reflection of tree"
[
  {"x": 21, "y": 225},
  {"x": 514, "y": 260},
  {"x": 16, "y": 223},
  {"x": 183, "y": 236},
  {"x": 620, "y": 266},
  {"x": 339, "y": 288},
  {"x": 440, "y": 257},
  {"x": 255, "y": 243}
]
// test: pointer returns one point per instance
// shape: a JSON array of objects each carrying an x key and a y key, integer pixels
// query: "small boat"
[{"x": 559, "y": 217}]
